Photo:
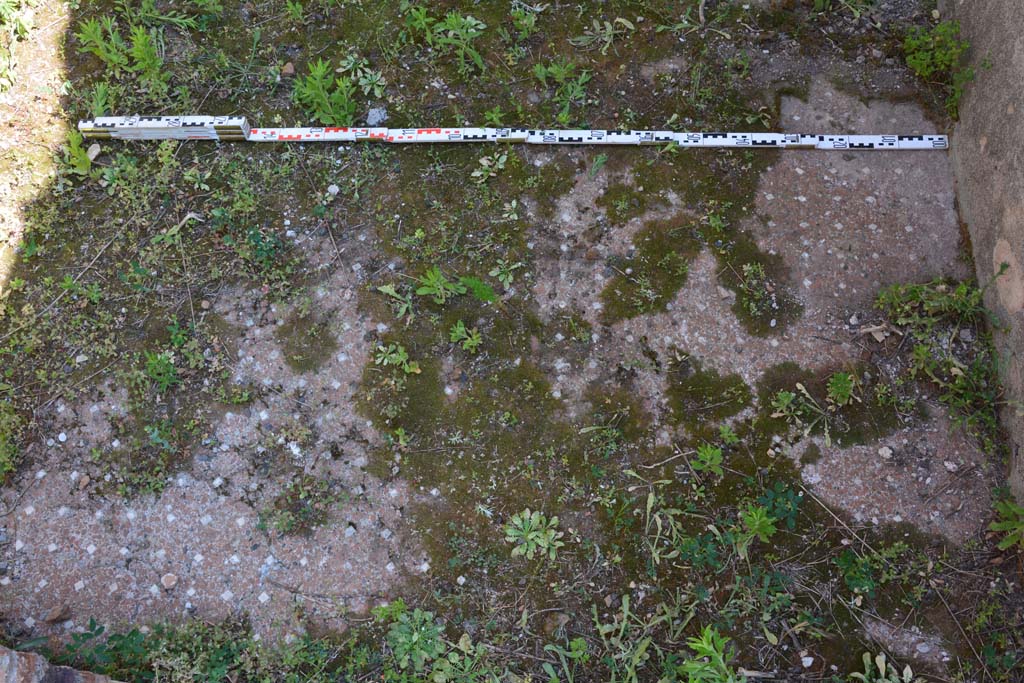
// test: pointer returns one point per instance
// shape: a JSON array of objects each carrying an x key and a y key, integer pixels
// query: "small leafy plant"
[
  {"x": 755, "y": 523},
  {"x": 1011, "y": 522},
  {"x": 505, "y": 272},
  {"x": 147, "y": 63},
  {"x": 435, "y": 285},
  {"x": 454, "y": 34},
  {"x": 533, "y": 531},
  {"x": 10, "y": 428},
  {"x": 160, "y": 370},
  {"x": 370, "y": 81},
  {"x": 415, "y": 640},
  {"x": 938, "y": 315},
  {"x": 711, "y": 663},
  {"x": 77, "y": 157},
  {"x": 840, "y": 388},
  {"x": 935, "y": 55},
  {"x": 327, "y": 97},
  {"x": 570, "y": 86},
  {"x": 802, "y": 411},
  {"x": 757, "y": 291},
  {"x": 395, "y": 355},
  {"x": 709, "y": 459},
  {"x": 782, "y": 503},
  {"x": 489, "y": 167},
  {"x": 879, "y": 670},
  {"x": 602, "y": 34},
  {"x": 480, "y": 290},
  {"x": 401, "y": 303},
  {"x": 102, "y": 39},
  {"x": 296, "y": 13},
  {"x": 469, "y": 338}
]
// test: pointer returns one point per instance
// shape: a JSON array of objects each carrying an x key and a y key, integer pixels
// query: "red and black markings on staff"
[{"x": 237, "y": 129}]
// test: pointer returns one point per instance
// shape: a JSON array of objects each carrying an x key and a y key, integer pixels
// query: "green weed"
[
  {"x": 326, "y": 97},
  {"x": 602, "y": 34},
  {"x": 415, "y": 640},
  {"x": 1010, "y": 523},
  {"x": 147, "y": 13},
  {"x": 782, "y": 503},
  {"x": 454, "y": 34},
  {"x": 296, "y": 13},
  {"x": 370, "y": 81},
  {"x": 709, "y": 459},
  {"x": 940, "y": 317},
  {"x": 303, "y": 505},
  {"x": 438, "y": 287},
  {"x": 469, "y": 338},
  {"x": 102, "y": 39},
  {"x": 880, "y": 670},
  {"x": 711, "y": 663},
  {"x": 505, "y": 272},
  {"x": 841, "y": 388},
  {"x": 395, "y": 355},
  {"x": 757, "y": 524},
  {"x": 935, "y": 55},
  {"x": 75, "y": 156},
  {"x": 160, "y": 370},
  {"x": 532, "y": 532},
  {"x": 146, "y": 63},
  {"x": 570, "y": 85},
  {"x": 488, "y": 168}
]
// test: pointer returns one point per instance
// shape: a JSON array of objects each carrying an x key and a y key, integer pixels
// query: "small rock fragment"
[
  {"x": 169, "y": 581},
  {"x": 288, "y": 69},
  {"x": 57, "y": 613},
  {"x": 555, "y": 621}
]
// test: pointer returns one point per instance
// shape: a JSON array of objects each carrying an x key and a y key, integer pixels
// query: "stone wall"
[
  {"x": 988, "y": 158},
  {"x": 28, "y": 667}
]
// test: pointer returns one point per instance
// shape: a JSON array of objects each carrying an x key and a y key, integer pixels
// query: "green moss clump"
[
  {"x": 306, "y": 342},
  {"x": 622, "y": 202},
  {"x": 862, "y": 420},
  {"x": 763, "y": 303},
  {"x": 545, "y": 184},
  {"x": 700, "y": 398},
  {"x": 618, "y": 408},
  {"x": 649, "y": 280}
]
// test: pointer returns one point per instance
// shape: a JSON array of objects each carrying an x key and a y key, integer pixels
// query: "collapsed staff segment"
[{"x": 236, "y": 128}]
